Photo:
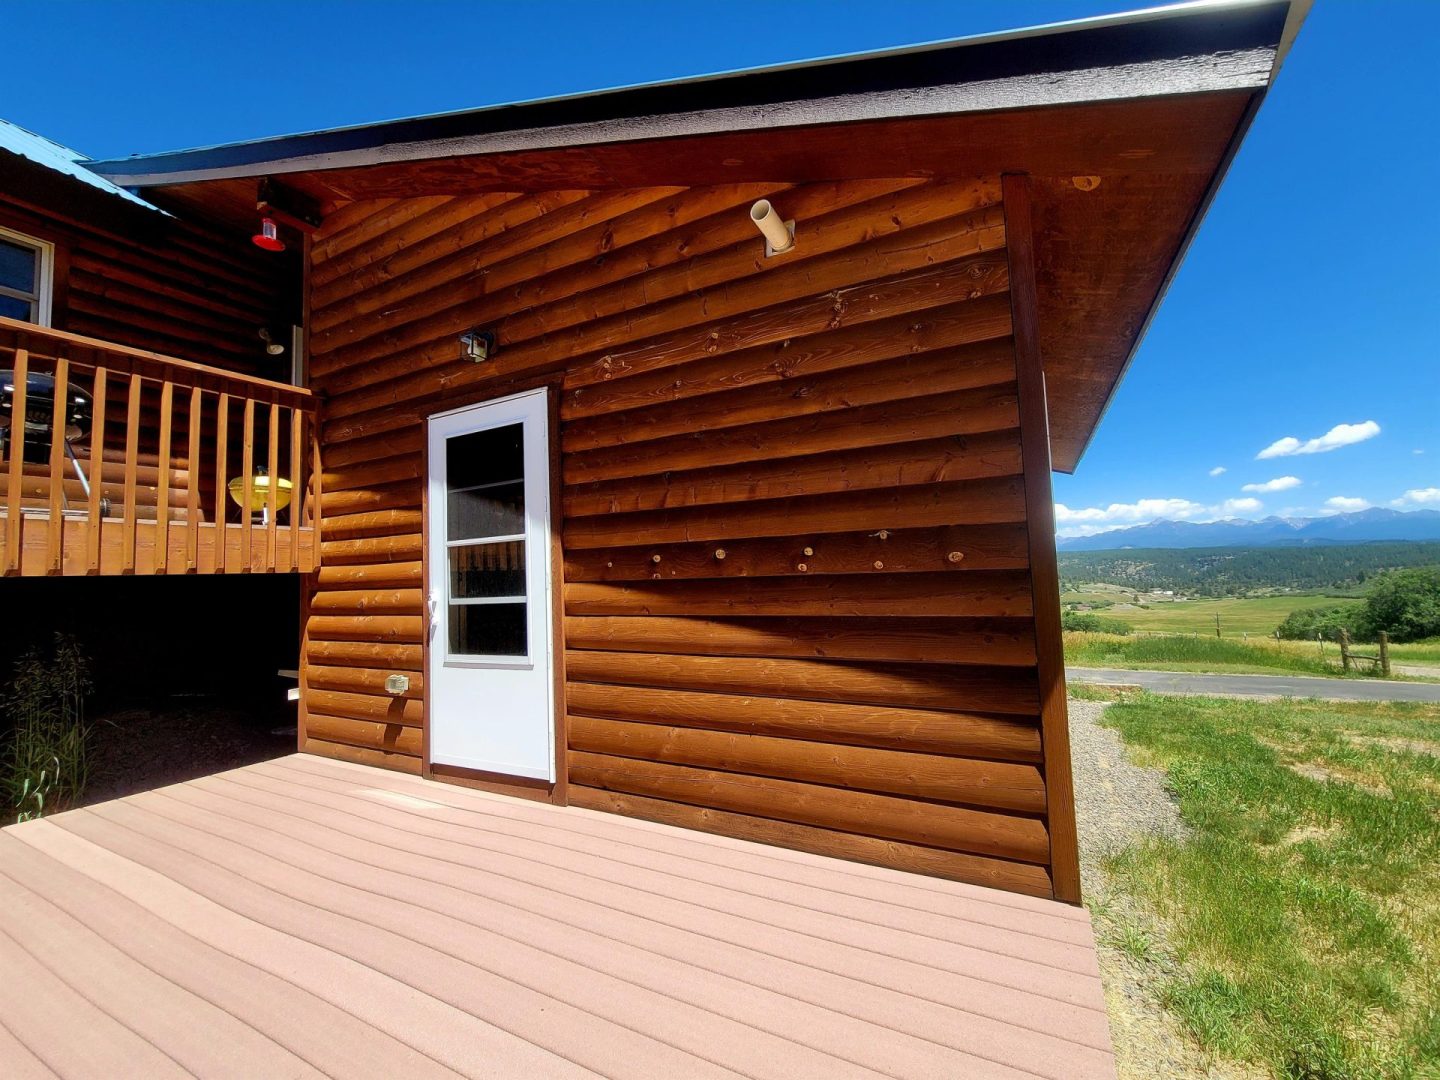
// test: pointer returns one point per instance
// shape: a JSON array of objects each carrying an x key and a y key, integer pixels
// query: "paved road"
[{"x": 1184, "y": 682}]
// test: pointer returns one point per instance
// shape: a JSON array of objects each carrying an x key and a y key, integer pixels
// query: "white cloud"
[
  {"x": 1342, "y": 504},
  {"x": 1218, "y": 470},
  {"x": 1417, "y": 451},
  {"x": 1089, "y": 520},
  {"x": 1142, "y": 510},
  {"x": 1338, "y": 436},
  {"x": 1240, "y": 506},
  {"x": 1280, "y": 483},
  {"x": 1418, "y": 497}
]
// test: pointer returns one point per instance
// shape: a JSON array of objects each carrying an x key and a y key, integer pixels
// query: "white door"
[{"x": 490, "y": 679}]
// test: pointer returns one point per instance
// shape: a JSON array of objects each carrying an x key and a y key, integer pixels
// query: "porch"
[
  {"x": 132, "y": 462},
  {"x": 308, "y": 916}
]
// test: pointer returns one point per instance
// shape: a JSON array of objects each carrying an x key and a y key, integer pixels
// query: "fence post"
[
  {"x": 1384, "y": 653},
  {"x": 1345, "y": 651}
]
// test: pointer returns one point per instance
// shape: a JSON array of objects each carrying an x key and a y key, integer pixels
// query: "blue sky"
[{"x": 1306, "y": 309}]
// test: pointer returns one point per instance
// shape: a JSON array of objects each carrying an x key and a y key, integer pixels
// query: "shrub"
[
  {"x": 1093, "y": 624},
  {"x": 1305, "y": 624},
  {"x": 1404, "y": 603},
  {"x": 47, "y": 759}
]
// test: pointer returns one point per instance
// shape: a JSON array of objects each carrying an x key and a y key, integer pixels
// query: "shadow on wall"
[{"x": 161, "y": 637}]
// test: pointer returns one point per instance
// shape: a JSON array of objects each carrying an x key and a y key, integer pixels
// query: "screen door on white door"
[{"x": 490, "y": 678}]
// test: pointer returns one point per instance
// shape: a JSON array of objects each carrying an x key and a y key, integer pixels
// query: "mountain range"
[{"x": 1354, "y": 528}]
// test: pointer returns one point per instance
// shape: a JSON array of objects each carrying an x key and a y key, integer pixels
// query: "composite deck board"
[{"x": 308, "y": 916}]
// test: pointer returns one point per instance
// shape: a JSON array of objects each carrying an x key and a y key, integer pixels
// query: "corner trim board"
[{"x": 1040, "y": 531}]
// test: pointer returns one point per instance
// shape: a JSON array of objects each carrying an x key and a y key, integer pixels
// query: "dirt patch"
[
  {"x": 1404, "y": 746},
  {"x": 1307, "y": 833},
  {"x": 140, "y": 746},
  {"x": 1321, "y": 774}
]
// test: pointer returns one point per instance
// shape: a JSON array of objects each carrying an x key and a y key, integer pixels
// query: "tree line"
[
  {"x": 1403, "y": 603},
  {"x": 1221, "y": 572}
]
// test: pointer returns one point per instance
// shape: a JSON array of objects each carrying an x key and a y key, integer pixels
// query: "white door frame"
[{"x": 443, "y": 672}]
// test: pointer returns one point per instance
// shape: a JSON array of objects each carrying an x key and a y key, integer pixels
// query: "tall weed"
[{"x": 47, "y": 758}]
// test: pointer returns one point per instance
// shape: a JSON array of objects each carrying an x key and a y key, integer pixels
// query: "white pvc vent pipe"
[{"x": 779, "y": 235}]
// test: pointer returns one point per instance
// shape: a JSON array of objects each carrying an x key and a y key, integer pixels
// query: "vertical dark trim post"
[
  {"x": 307, "y": 581},
  {"x": 1040, "y": 528},
  {"x": 560, "y": 792},
  {"x": 302, "y": 681}
]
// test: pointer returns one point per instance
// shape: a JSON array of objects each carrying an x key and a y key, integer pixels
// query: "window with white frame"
[{"x": 27, "y": 267}]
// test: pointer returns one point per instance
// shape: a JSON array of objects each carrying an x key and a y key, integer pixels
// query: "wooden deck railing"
[{"x": 146, "y": 489}]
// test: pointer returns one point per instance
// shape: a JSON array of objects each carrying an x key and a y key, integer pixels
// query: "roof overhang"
[{"x": 1153, "y": 103}]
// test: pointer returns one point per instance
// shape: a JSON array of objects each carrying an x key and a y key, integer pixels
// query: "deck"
[
  {"x": 132, "y": 462},
  {"x": 307, "y": 916}
]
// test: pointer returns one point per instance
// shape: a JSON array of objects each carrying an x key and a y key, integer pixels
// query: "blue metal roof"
[{"x": 51, "y": 155}]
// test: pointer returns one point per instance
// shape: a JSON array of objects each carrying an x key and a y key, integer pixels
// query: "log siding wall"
[
  {"x": 175, "y": 285},
  {"x": 797, "y": 602}
]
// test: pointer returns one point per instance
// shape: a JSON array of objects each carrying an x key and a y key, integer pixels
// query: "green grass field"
[
  {"x": 1255, "y": 616},
  {"x": 1417, "y": 652},
  {"x": 1251, "y": 620},
  {"x": 1258, "y": 656},
  {"x": 1301, "y": 915}
]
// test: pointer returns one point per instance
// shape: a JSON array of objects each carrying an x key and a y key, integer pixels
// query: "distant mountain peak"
[{"x": 1356, "y": 526}]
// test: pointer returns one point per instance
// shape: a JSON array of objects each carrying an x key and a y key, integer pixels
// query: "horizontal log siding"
[
  {"x": 171, "y": 285},
  {"x": 797, "y": 602}
]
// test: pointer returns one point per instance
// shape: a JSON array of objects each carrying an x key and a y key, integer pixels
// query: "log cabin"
[{"x": 682, "y": 451}]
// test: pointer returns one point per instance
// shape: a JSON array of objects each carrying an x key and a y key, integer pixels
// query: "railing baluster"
[
  {"x": 162, "y": 491},
  {"x": 272, "y": 488},
  {"x": 222, "y": 492},
  {"x": 296, "y": 431},
  {"x": 55, "y": 540},
  {"x": 247, "y": 457},
  {"x": 132, "y": 462},
  {"x": 95, "y": 523},
  {"x": 15, "y": 447},
  {"x": 192, "y": 476}
]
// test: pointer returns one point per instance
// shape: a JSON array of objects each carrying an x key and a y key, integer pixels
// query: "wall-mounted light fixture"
[
  {"x": 477, "y": 346},
  {"x": 269, "y": 236},
  {"x": 779, "y": 234},
  {"x": 272, "y": 347}
]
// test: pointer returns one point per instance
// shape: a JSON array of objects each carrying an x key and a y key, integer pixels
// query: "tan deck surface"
[{"x": 307, "y": 917}]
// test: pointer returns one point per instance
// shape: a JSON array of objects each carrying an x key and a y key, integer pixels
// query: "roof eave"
[
  {"x": 1299, "y": 10},
  {"x": 1139, "y": 61}
]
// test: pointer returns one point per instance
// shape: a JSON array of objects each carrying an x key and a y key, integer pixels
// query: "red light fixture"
[{"x": 268, "y": 237}]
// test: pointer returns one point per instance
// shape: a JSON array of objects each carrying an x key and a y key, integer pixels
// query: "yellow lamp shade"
[{"x": 260, "y": 492}]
